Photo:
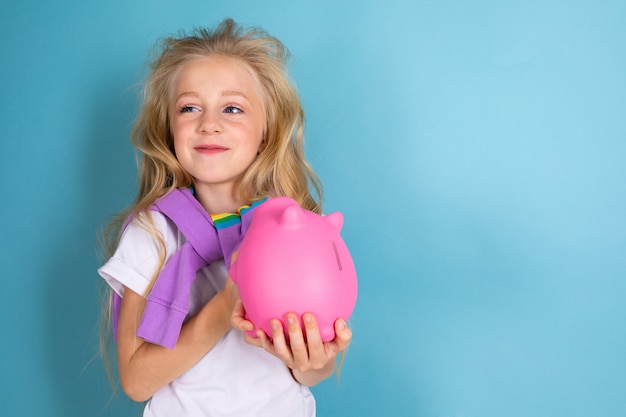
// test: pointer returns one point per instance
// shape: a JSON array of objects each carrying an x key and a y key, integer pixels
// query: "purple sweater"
[{"x": 209, "y": 238}]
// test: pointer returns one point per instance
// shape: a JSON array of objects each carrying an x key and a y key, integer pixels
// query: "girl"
[{"x": 219, "y": 118}]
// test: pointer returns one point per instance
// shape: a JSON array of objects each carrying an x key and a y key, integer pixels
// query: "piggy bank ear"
[
  {"x": 292, "y": 217},
  {"x": 335, "y": 220}
]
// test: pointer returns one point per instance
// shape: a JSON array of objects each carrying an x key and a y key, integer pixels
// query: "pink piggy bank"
[{"x": 293, "y": 260}]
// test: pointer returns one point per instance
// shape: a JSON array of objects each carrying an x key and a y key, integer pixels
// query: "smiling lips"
[{"x": 210, "y": 149}]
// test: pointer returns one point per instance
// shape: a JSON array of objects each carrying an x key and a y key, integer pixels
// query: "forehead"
[{"x": 217, "y": 73}]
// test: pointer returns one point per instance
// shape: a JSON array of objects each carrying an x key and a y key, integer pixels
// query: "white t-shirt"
[{"x": 233, "y": 378}]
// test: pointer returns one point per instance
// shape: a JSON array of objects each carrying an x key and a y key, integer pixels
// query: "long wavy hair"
[{"x": 280, "y": 169}]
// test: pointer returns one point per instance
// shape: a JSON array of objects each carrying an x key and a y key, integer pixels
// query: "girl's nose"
[{"x": 210, "y": 124}]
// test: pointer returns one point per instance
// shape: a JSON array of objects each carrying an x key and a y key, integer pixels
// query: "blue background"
[{"x": 476, "y": 148}]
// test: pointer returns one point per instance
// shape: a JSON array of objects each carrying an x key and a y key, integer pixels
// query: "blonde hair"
[{"x": 280, "y": 169}]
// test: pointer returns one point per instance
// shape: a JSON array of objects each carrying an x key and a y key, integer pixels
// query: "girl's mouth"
[{"x": 210, "y": 149}]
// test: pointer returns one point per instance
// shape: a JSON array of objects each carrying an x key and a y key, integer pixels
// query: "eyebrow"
[
  {"x": 234, "y": 93},
  {"x": 225, "y": 93}
]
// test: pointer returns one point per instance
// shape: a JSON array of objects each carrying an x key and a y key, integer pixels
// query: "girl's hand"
[
  {"x": 144, "y": 368},
  {"x": 239, "y": 322},
  {"x": 310, "y": 359}
]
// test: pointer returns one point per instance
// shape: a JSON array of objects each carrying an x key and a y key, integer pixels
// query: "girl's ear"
[{"x": 262, "y": 146}]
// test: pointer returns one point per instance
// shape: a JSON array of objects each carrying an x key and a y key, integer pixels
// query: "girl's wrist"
[
  {"x": 313, "y": 376},
  {"x": 223, "y": 305}
]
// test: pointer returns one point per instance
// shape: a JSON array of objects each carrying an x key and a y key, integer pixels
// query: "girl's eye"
[
  {"x": 188, "y": 109},
  {"x": 233, "y": 110}
]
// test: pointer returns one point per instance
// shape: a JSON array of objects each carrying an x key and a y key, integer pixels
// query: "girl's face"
[{"x": 217, "y": 120}]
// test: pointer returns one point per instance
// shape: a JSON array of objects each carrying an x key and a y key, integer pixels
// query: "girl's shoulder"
[
  {"x": 146, "y": 240},
  {"x": 151, "y": 225}
]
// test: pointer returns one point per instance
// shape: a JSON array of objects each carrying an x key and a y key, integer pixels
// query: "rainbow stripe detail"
[{"x": 224, "y": 220}]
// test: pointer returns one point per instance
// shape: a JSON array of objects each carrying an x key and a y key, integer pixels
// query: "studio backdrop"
[{"x": 476, "y": 149}]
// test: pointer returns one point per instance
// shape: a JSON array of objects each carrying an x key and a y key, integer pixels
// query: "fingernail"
[
  {"x": 307, "y": 318},
  {"x": 290, "y": 320},
  {"x": 341, "y": 324}
]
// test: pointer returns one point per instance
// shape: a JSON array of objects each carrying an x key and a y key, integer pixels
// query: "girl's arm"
[
  {"x": 144, "y": 368},
  {"x": 310, "y": 361}
]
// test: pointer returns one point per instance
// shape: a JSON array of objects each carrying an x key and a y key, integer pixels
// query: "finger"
[
  {"x": 316, "y": 351},
  {"x": 279, "y": 346},
  {"x": 253, "y": 340},
  {"x": 299, "y": 348},
  {"x": 238, "y": 320},
  {"x": 264, "y": 341},
  {"x": 313, "y": 337},
  {"x": 343, "y": 335}
]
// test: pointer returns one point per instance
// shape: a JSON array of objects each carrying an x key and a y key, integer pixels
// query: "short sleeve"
[{"x": 136, "y": 258}]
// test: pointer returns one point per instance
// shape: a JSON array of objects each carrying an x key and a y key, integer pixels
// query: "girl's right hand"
[
  {"x": 239, "y": 321},
  {"x": 144, "y": 368}
]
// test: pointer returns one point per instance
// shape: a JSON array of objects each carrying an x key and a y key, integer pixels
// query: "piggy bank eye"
[{"x": 337, "y": 255}]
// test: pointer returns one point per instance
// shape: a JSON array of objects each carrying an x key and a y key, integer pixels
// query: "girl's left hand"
[{"x": 310, "y": 359}]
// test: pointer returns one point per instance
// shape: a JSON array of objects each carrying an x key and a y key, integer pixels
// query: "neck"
[{"x": 216, "y": 199}]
